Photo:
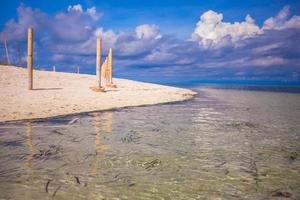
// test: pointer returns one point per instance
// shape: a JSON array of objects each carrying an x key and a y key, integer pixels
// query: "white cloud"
[
  {"x": 90, "y": 11},
  {"x": 281, "y": 21},
  {"x": 147, "y": 31},
  {"x": 267, "y": 47},
  {"x": 158, "y": 56},
  {"x": 247, "y": 61},
  {"x": 266, "y": 61},
  {"x": 212, "y": 32},
  {"x": 143, "y": 39},
  {"x": 93, "y": 13},
  {"x": 27, "y": 17},
  {"x": 109, "y": 37},
  {"x": 69, "y": 37},
  {"x": 76, "y": 8},
  {"x": 58, "y": 57}
]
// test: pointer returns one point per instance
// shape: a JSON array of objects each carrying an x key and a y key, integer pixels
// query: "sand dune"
[{"x": 57, "y": 93}]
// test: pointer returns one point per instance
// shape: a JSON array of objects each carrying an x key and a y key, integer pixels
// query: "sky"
[{"x": 160, "y": 41}]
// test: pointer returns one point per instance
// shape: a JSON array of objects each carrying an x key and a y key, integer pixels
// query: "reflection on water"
[
  {"x": 99, "y": 146},
  {"x": 108, "y": 121},
  {"x": 30, "y": 146},
  {"x": 224, "y": 144}
]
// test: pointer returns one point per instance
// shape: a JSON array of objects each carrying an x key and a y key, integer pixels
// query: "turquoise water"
[{"x": 223, "y": 144}]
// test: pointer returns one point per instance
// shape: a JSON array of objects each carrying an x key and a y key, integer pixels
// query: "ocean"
[{"x": 229, "y": 142}]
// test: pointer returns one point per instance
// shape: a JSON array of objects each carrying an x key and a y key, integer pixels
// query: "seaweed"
[
  {"x": 47, "y": 185},
  {"x": 46, "y": 153},
  {"x": 57, "y": 132},
  {"x": 77, "y": 179},
  {"x": 131, "y": 184},
  {"x": 56, "y": 190},
  {"x": 294, "y": 155},
  {"x": 151, "y": 164},
  {"x": 242, "y": 125},
  {"x": 281, "y": 193},
  {"x": 130, "y": 138}
]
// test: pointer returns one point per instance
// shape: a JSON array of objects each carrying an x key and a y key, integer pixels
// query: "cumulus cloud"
[
  {"x": 76, "y": 8},
  {"x": 147, "y": 31},
  {"x": 89, "y": 11},
  {"x": 75, "y": 25},
  {"x": 93, "y": 13},
  {"x": 57, "y": 38},
  {"x": 212, "y": 32},
  {"x": 73, "y": 33},
  {"x": 218, "y": 48},
  {"x": 141, "y": 41},
  {"x": 282, "y": 21},
  {"x": 26, "y": 17},
  {"x": 109, "y": 36}
]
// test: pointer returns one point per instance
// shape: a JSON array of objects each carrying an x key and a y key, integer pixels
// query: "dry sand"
[{"x": 57, "y": 93}]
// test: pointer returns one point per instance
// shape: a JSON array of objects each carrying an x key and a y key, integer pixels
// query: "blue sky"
[{"x": 162, "y": 40}]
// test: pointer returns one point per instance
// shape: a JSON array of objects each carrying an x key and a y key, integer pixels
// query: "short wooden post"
[
  {"x": 107, "y": 79},
  {"x": 19, "y": 54},
  {"x": 109, "y": 69},
  {"x": 98, "y": 60},
  {"x": 30, "y": 58},
  {"x": 103, "y": 71},
  {"x": 6, "y": 51},
  {"x": 110, "y": 65}
]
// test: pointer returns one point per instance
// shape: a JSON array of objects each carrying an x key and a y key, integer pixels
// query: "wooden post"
[
  {"x": 107, "y": 79},
  {"x": 103, "y": 71},
  {"x": 99, "y": 68},
  {"x": 109, "y": 69},
  {"x": 98, "y": 60},
  {"x": 54, "y": 68},
  {"x": 30, "y": 58},
  {"x": 6, "y": 51},
  {"x": 19, "y": 54},
  {"x": 110, "y": 65}
]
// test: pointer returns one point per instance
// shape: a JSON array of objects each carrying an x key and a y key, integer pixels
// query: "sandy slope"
[{"x": 59, "y": 93}]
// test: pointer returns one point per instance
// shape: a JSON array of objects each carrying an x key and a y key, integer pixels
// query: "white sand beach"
[{"x": 58, "y": 93}]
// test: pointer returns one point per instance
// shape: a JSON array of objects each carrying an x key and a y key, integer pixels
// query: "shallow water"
[{"x": 224, "y": 144}]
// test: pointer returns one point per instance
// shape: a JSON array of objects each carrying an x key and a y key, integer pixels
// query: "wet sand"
[{"x": 58, "y": 93}]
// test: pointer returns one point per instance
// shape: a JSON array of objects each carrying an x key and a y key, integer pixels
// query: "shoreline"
[
  {"x": 88, "y": 112},
  {"x": 59, "y": 94}
]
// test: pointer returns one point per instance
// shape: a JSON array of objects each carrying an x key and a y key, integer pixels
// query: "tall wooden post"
[
  {"x": 30, "y": 58},
  {"x": 99, "y": 68},
  {"x": 98, "y": 60}
]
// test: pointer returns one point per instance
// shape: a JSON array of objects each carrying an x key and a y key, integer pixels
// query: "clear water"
[{"x": 224, "y": 144}]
